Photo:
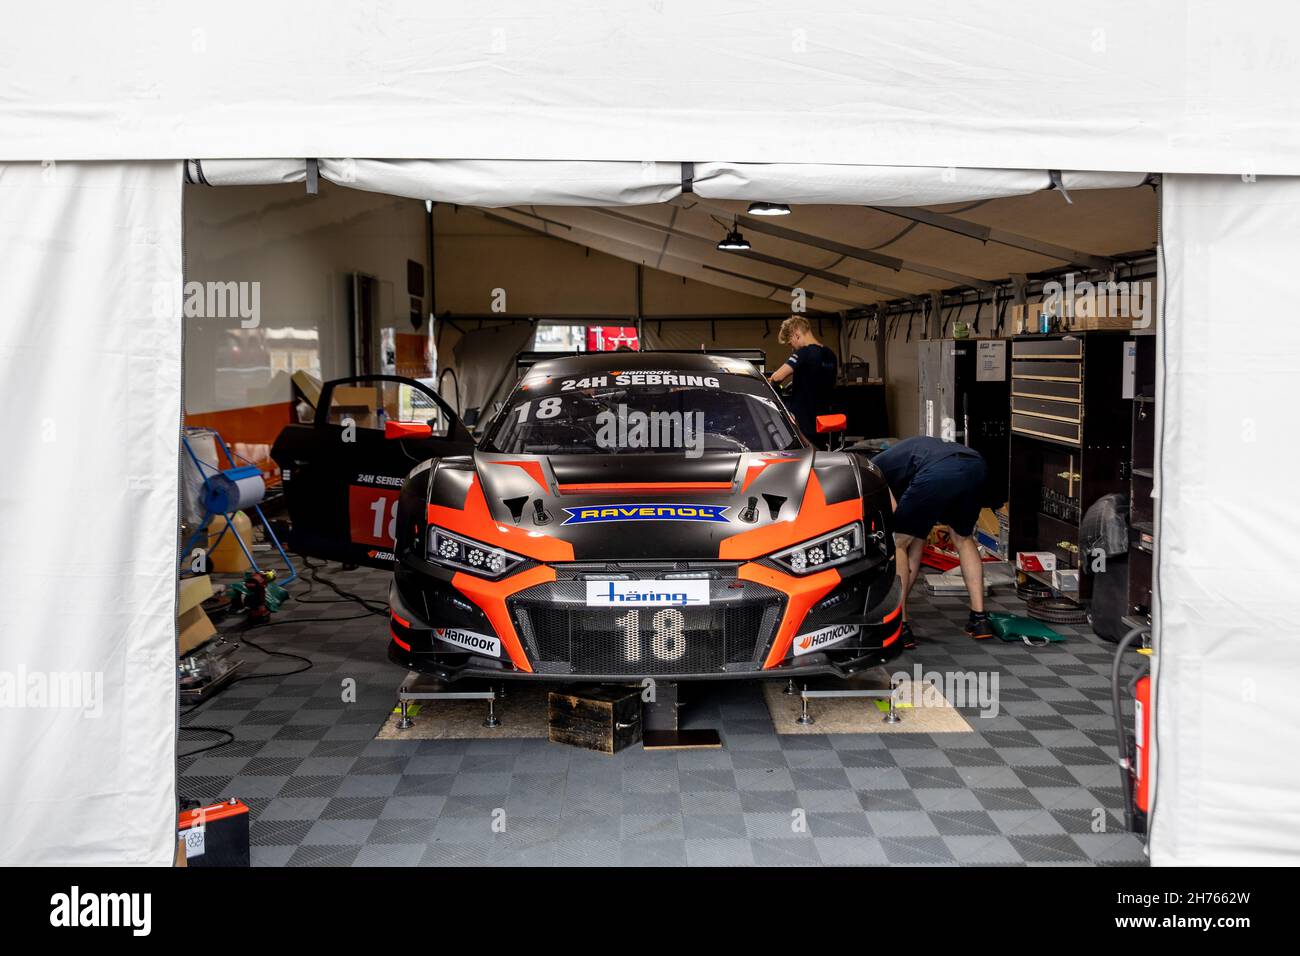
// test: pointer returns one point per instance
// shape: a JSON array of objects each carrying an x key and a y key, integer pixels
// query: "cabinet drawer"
[
  {"x": 1051, "y": 371},
  {"x": 1068, "y": 432},
  {"x": 1042, "y": 408},
  {"x": 1047, "y": 348},
  {"x": 1060, "y": 538},
  {"x": 1056, "y": 391}
]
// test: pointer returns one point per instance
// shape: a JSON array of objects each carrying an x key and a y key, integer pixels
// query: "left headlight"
[
  {"x": 840, "y": 546},
  {"x": 465, "y": 554}
]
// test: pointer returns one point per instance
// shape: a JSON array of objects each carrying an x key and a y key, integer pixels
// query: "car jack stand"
[
  {"x": 419, "y": 687},
  {"x": 860, "y": 685},
  {"x": 659, "y": 723}
]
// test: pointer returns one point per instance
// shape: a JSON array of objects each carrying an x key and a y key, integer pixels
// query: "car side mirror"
[
  {"x": 399, "y": 430},
  {"x": 833, "y": 423}
]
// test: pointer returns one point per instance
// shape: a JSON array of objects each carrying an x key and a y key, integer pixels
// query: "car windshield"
[{"x": 641, "y": 412}]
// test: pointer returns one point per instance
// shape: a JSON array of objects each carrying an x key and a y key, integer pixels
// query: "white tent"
[{"x": 596, "y": 105}]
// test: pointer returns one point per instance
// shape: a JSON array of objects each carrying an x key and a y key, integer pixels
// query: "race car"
[{"x": 624, "y": 515}]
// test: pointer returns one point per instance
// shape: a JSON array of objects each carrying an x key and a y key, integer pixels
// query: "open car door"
[{"x": 342, "y": 476}]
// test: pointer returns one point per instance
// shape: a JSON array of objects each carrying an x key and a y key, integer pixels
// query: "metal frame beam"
[
  {"x": 892, "y": 263},
  {"x": 1003, "y": 237},
  {"x": 847, "y": 282},
  {"x": 544, "y": 223}
]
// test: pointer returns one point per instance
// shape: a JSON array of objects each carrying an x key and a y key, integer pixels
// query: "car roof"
[{"x": 595, "y": 362}]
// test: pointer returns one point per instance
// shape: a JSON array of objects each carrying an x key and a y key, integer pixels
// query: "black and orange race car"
[{"x": 629, "y": 515}]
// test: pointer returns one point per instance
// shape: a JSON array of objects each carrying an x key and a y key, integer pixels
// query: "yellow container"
[{"x": 227, "y": 557}]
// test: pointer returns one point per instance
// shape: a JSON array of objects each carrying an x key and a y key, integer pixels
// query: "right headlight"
[{"x": 838, "y": 547}]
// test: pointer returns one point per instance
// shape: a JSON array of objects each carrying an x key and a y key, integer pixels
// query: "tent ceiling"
[{"x": 681, "y": 236}]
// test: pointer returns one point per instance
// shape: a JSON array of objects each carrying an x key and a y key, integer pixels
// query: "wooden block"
[
  {"x": 193, "y": 592},
  {"x": 601, "y": 718},
  {"x": 193, "y": 628}
]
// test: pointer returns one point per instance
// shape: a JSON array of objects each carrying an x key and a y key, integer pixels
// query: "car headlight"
[
  {"x": 838, "y": 547},
  {"x": 465, "y": 554}
]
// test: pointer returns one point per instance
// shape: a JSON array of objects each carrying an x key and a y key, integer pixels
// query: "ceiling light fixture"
[
  {"x": 769, "y": 209},
  {"x": 733, "y": 241}
]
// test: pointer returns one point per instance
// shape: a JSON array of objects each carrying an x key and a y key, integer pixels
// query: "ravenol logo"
[{"x": 594, "y": 513}]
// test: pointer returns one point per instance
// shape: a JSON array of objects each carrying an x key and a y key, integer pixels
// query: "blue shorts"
[{"x": 946, "y": 492}]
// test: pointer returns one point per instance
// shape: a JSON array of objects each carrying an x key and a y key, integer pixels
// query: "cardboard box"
[
  {"x": 991, "y": 532},
  {"x": 1094, "y": 322},
  {"x": 193, "y": 592},
  {"x": 1065, "y": 579},
  {"x": 1044, "y": 562},
  {"x": 1024, "y": 318},
  {"x": 193, "y": 629}
]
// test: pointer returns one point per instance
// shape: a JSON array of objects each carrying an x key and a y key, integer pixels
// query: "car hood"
[{"x": 626, "y": 507}]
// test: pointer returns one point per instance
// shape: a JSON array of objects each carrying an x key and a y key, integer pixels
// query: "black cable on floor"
[
  {"x": 242, "y": 635},
  {"x": 374, "y": 607},
  {"x": 230, "y": 739}
]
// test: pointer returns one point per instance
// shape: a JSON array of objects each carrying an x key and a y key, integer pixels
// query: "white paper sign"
[
  {"x": 1129, "y": 376},
  {"x": 195, "y": 841},
  {"x": 991, "y": 361}
]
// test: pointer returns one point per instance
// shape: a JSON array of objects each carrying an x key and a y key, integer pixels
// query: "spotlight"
[{"x": 769, "y": 209}]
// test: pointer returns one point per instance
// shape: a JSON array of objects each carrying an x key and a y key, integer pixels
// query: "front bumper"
[{"x": 859, "y": 619}]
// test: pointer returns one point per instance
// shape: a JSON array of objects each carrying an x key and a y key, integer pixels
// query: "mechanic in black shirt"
[
  {"x": 937, "y": 482},
  {"x": 813, "y": 368}
]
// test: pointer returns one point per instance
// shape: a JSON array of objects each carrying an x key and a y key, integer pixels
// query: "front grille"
[{"x": 563, "y": 635}]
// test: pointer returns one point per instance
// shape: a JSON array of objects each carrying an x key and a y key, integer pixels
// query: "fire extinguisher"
[
  {"x": 1134, "y": 749},
  {"x": 1142, "y": 746}
]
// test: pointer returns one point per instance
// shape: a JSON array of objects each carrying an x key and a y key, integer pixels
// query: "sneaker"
[
  {"x": 978, "y": 626},
  {"x": 909, "y": 639}
]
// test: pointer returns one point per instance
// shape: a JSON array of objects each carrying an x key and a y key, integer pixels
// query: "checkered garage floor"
[{"x": 1033, "y": 785}]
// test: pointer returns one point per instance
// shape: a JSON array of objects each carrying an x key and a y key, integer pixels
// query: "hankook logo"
[
  {"x": 470, "y": 640},
  {"x": 823, "y": 637}
]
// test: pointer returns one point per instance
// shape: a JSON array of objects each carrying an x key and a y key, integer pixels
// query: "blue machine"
[{"x": 225, "y": 491}]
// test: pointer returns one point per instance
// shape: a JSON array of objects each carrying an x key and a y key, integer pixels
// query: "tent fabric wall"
[
  {"x": 90, "y": 373},
  {"x": 1227, "y": 661},
  {"x": 485, "y": 364},
  {"x": 1167, "y": 85}
]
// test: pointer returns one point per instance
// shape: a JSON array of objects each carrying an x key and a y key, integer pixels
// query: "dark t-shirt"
[
  {"x": 902, "y": 462},
  {"x": 810, "y": 390}
]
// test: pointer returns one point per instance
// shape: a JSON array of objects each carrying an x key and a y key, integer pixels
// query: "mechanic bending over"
[
  {"x": 937, "y": 482},
  {"x": 813, "y": 368}
]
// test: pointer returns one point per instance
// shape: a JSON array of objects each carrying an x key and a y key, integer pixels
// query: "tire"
[{"x": 1054, "y": 610}]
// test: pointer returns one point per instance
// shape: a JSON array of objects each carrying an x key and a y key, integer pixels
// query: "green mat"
[{"x": 1010, "y": 627}]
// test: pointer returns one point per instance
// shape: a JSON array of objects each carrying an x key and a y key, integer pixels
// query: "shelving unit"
[
  {"x": 1141, "y": 505},
  {"x": 1071, "y": 432}
]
